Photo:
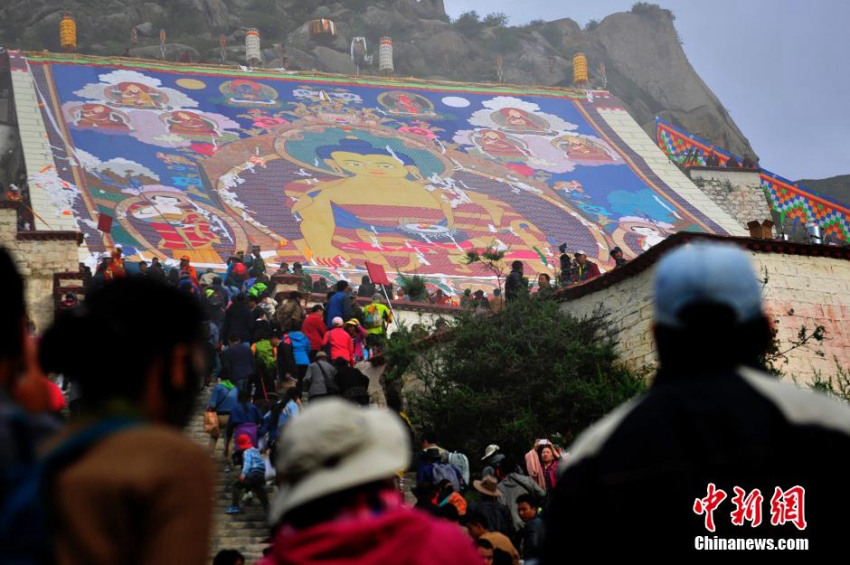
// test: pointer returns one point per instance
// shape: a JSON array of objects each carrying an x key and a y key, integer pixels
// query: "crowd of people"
[
  {"x": 500, "y": 510},
  {"x": 121, "y": 482}
]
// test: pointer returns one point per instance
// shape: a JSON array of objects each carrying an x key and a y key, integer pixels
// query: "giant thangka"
[{"x": 335, "y": 171}]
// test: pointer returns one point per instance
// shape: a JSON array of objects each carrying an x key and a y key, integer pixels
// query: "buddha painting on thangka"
[{"x": 360, "y": 195}]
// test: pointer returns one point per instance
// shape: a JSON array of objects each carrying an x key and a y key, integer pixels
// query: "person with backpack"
[
  {"x": 434, "y": 469},
  {"x": 238, "y": 321},
  {"x": 301, "y": 349},
  {"x": 320, "y": 378},
  {"x": 217, "y": 299},
  {"x": 127, "y": 451},
  {"x": 265, "y": 364},
  {"x": 237, "y": 362},
  {"x": 257, "y": 266},
  {"x": 222, "y": 401},
  {"x": 252, "y": 477},
  {"x": 514, "y": 486},
  {"x": 237, "y": 274},
  {"x": 245, "y": 418},
  {"x": 377, "y": 317},
  {"x": 290, "y": 312},
  {"x": 353, "y": 385}
]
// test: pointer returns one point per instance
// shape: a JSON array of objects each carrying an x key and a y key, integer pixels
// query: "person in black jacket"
[
  {"x": 516, "y": 285},
  {"x": 353, "y": 385},
  {"x": 716, "y": 450},
  {"x": 238, "y": 321}
]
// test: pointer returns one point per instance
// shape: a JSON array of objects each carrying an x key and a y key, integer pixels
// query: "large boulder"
[{"x": 333, "y": 61}]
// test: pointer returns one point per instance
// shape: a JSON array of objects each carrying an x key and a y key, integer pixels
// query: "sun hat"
[
  {"x": 706, "y": 273},
  {"x": 490, "y": 450},
  {"x": 334, "y": 445},
  {"x": 488, "y": 485}
]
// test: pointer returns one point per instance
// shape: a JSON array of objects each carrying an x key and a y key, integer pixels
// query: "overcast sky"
[{"x": 779, "y": 66}]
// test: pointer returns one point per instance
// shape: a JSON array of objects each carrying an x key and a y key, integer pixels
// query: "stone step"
[{"x": 244, "y": 532}]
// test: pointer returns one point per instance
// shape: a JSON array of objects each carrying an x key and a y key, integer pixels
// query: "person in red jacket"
[
  {"x": 341, "y": 346},
  {"x": 315, "y": 329},
  {"x": 585, "y": 270}
]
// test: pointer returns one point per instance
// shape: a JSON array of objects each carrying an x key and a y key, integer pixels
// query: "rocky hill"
[
  {"x": 637, "y": 54},
  {"x": 837, "y": 188}
]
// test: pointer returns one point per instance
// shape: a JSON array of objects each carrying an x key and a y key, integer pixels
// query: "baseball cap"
[
  {"x": 334, "y": 445},
  {"x": 706, "y": 273}
]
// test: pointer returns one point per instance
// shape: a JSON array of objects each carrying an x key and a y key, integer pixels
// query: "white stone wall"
[
  {"x": 738, "y": 193},
  {"x": 801, "y": 291},
  {"x": 37, "y": 262},
  {"x": 630, "y": 131}
]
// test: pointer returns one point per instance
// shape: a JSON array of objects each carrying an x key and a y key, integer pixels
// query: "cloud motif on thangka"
[
  {"x": 118, "y": 166},
  {"x": 132, "y": 89}
]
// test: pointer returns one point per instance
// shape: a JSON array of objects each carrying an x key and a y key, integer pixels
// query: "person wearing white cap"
[
  {"x": 336, "y": 502},
  {"x": 338, "y": 341},
  {"x": 585, "y": 269},
  {"x": 716, "y": 446}
]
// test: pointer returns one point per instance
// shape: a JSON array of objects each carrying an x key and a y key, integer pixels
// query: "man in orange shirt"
[{"x": 477, "y": 527}]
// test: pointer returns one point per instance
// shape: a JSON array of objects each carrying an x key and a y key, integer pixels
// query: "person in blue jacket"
[
  {"x": 339, "y": 304},
  {"x": 223, "y": 400}
]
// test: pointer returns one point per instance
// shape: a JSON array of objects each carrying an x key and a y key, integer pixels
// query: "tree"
[
  {"x": 468, "y": 22},
  {"x": 493, "y": 260},
  {"x": 498, "y": 19},
  {"x": 526, "y": 372}
]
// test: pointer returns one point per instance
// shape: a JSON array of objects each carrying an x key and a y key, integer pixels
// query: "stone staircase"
[{"x": 244, "y": 532}]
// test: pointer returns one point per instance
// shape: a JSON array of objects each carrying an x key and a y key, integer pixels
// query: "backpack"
[
  {"x": 24, "y": 517},
  {"x": 444, "y": 471},
  {"x": 460, "y": 462},
  {"x": 373, "y": 318},
  {"x": 265, "y": 354},
  {"x": 258, "y": 267},
  {"x": 239, "y": 271},
  {"x": 217, "y": 298}
]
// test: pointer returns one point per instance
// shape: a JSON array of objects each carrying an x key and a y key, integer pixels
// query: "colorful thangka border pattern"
[
  {"x": 334, "y": 171},
  {"x": 794, "y": 204}
]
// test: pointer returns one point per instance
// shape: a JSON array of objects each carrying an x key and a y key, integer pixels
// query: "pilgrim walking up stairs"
[{"x": 244, "y": 532}]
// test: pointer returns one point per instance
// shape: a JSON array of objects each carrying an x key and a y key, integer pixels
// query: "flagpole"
[{"x": 390, "y": 305}]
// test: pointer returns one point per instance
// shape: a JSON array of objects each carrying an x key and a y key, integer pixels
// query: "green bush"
[{"x": 526, "y": 372}]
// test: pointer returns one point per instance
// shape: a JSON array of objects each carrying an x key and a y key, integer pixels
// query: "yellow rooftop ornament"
[
  {"x": 579, "y": 69},
  {"x": 68, "y": 33},
  {"x": 323, "y": 29}
]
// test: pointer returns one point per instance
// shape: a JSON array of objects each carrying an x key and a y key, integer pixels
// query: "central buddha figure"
[{"x": 384, "y": 211}]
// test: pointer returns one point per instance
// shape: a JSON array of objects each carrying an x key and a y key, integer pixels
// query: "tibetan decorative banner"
[
  {"x": 334, "y": 171},
  {"x": 798, "y": 206},
  {"x": 685, "y": 148},
  {"x": 795, "y": 205}
]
